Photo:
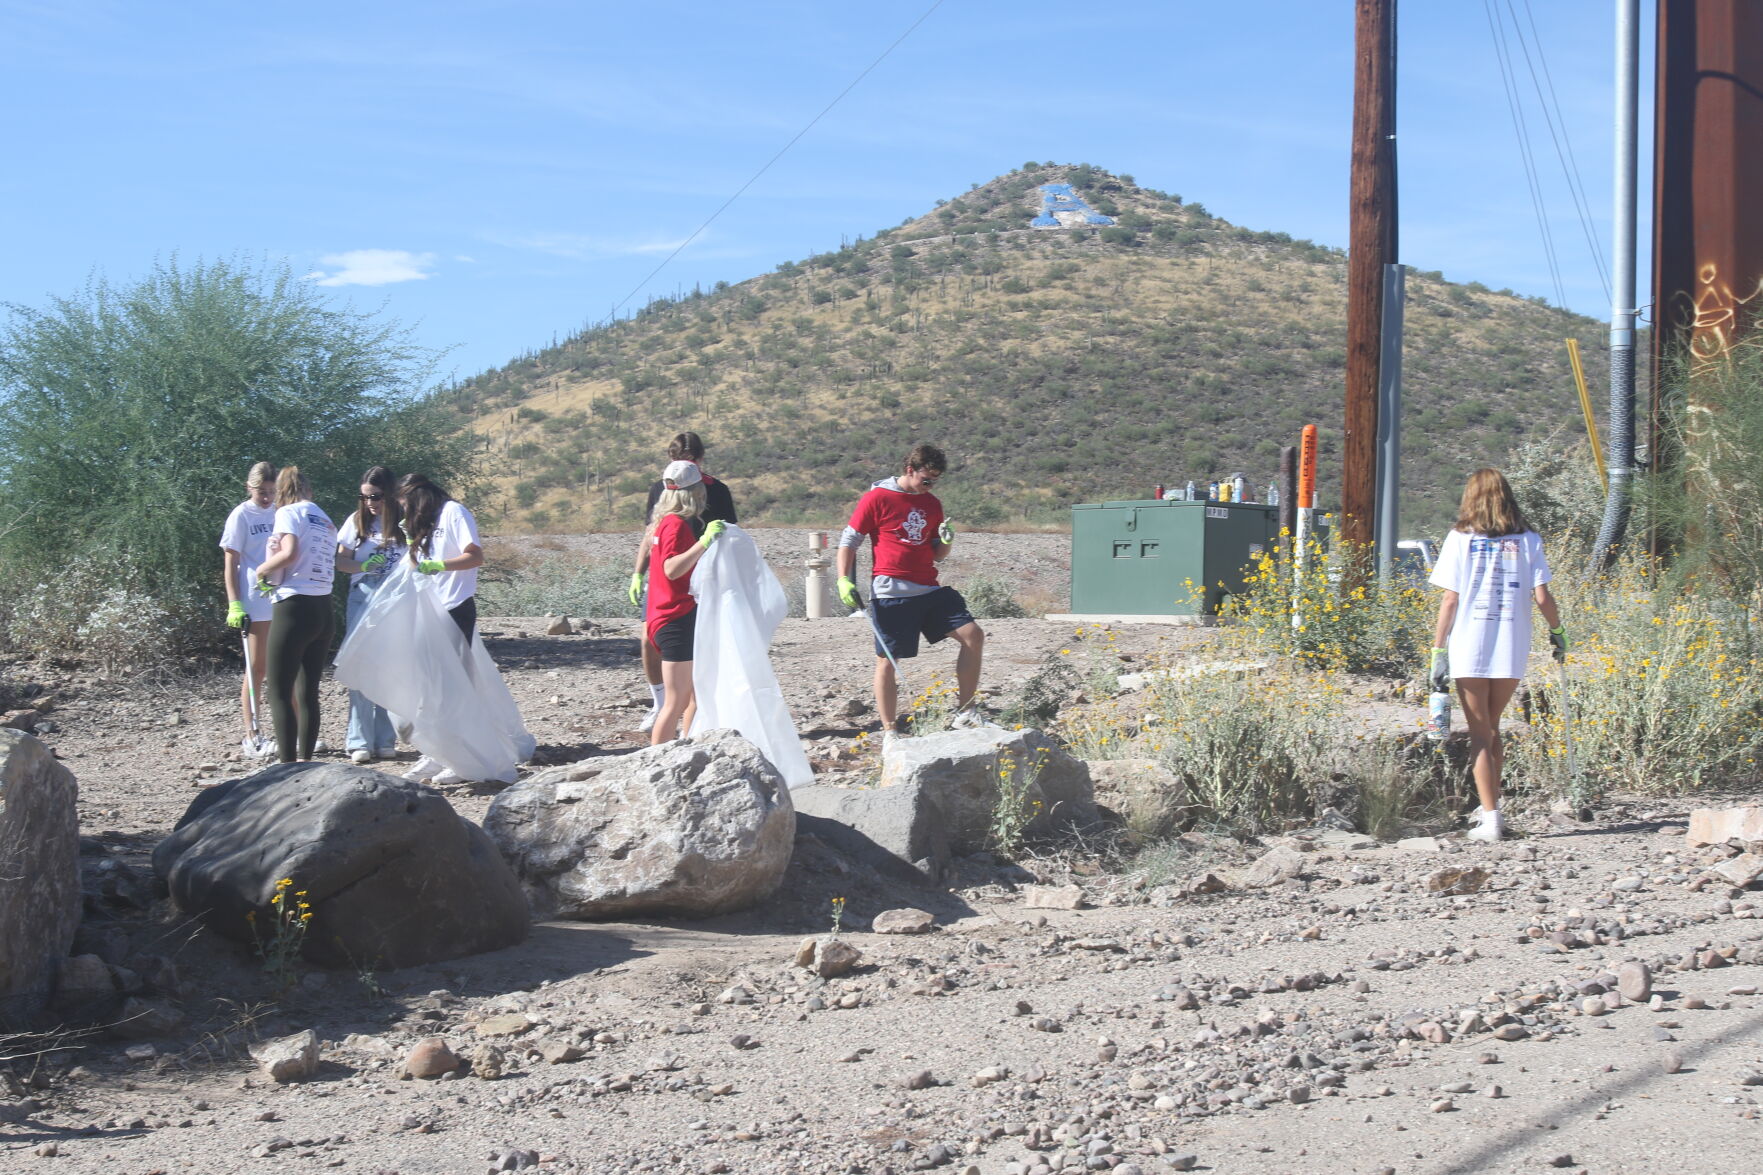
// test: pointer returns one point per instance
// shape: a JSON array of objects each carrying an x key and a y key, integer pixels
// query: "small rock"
[
  {"x": 1458, "y": 881},
  {"x": 828, "y": 957},
  {"x": 1182, "y": 1162},
  {"x": 1053, "y": 897},
  {"x": 560, "y": 626},
  {"x": 1443, "y": 1105},
  {"x": 288, "y": 1058},
  {"x": 489, "y": 1062},
  {"x": 430, "y": 1058},
  {"x": 1561, "y": 1161},
  {"x": 1510, "y": 1032},
  {"x": 1420, "y": 844},
  {"x": 922, "y": 1079},
  {"x": 1671, "y": 1062},
  {"x": 1634, "y": 979},
  {"x": 557, "y": 1052},
  {"x": 510, "y": 1024},
  {"x": 1280, "y": 864},
  {"x": 1592, "y": 1006},
  {"x": 903, "y": 921}
]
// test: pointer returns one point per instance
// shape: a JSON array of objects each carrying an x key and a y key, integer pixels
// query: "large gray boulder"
[
  {"x": 694, "y": 827},
  {"x": 905, "y": 822},
  {"x": 960, "y": 770},
  {"x": 394, "y": 876},
  {"x": 39, "y": 873}
]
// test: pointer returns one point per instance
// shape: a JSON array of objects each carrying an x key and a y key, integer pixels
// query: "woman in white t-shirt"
[
  {"x": 297, "y": 576},
  {"x": 369, "y": 543},
  {"x": 1492, "y": 568},
  {"x": 244, "y": 541},
  {"x": 443, "y": 543}
]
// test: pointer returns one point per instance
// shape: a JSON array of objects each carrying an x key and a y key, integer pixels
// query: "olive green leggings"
[{"x": 299, "y": 643}]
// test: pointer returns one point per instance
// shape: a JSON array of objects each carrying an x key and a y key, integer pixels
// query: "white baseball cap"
[{"x": 682, "y": 474}]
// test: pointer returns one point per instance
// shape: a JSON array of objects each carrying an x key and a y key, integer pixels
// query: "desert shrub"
[
  {"x": 1666, "y": 677},
  {"x": 1313, "y": 616},
  {"x": 133, "y": 412},
  {"x": 988, "y": 598},
  {"x": 95, "y": 610},
  {"x": 558, "y": 586}
]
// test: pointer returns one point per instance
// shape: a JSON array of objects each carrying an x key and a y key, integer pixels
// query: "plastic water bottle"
[
  {"x": 1238, "y": 485},
  {"x": 1438, "y": 715},
  {"x": 1273, "y": 495},
  {"x": 1190, "y": 491}
]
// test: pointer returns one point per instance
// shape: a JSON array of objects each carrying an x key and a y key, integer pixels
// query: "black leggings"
[
  {"x": 465, "y": 616},
  {"x": 300, "y": 630}
]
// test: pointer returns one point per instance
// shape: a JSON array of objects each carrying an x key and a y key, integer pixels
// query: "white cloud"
[{"x": 373, "y": 267}]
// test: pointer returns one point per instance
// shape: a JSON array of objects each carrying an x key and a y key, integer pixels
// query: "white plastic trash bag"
[
  {"x": 407, "y": 655},
  {"x": 740, "y": 605}
]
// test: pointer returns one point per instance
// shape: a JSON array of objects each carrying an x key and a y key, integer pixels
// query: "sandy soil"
[{"x": 1344, "y": 1020}]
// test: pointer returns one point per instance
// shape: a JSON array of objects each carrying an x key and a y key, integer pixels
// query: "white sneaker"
[
  {"x": 1489, "y": 826},
  {"x": 968, "y": 718},
  {"x": 426, "y": 767},
  {"x": 361, "y": 757},
  {"x": 648, "y": 722},
  {"x": 321, "y": 747},
  {"x": 256, "y": 748},
  {"x": 447, "y": 778}
]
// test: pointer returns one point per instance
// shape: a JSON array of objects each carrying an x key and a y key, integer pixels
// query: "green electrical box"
[{"x": 1137, "y": 558}]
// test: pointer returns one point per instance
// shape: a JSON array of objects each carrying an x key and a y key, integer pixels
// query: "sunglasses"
[{"x": 371, "y": 497}]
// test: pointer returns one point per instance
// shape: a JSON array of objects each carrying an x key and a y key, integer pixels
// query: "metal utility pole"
[
  {"x": 1707, "y": 188},
  {"x": 1389, "y": 424},
  {"x": 1622, "y": 287},
  {"x": 1371, "y": 246}
]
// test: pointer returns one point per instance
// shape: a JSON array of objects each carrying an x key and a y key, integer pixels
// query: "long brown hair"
[
  {"x": 422, "y": 500},
  {"x": 1489, "y": 507},
  {"x": 291, "y": 486},
  {"x": 386, "y": 482},
  {"x": 685, "y": 446}
]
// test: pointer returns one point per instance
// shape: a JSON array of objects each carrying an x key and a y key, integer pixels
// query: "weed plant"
[
  {"x": 1017, "y": 808},
  {"x": 278, "y": 946}
]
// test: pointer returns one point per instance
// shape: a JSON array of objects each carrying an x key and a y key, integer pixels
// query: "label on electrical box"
[{"x": 1217, "y": 512}]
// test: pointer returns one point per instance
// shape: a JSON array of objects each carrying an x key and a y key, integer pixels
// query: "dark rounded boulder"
[{"x": 394, "y": 877}]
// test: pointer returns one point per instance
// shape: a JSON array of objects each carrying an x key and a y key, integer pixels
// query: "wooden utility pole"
[{"x": 1371, "y": 245}]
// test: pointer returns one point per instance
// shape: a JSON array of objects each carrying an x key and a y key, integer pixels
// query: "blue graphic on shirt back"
[{"x": 1057, "y": 198}]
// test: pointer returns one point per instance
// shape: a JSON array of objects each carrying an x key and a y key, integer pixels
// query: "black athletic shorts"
[
  {"x": 676, "y": 637},
  {"x": 902, "y": 620}
]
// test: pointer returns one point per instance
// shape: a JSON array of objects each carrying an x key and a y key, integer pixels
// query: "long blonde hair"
[
  {"x": 261, "y": 472},
  {"x": 686, "y": 501},
  {"x": 291, "y": 486},
  {"x": 1489, "y": 507}
]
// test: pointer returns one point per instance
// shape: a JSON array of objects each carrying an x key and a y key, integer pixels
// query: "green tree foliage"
[{"x": 133, "y": 413}]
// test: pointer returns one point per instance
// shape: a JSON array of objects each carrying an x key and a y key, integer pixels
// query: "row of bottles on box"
[{"x": 1231, "y": 489}]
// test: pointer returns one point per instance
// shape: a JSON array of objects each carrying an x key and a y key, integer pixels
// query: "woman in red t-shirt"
[{"x": 678, "y": 539}]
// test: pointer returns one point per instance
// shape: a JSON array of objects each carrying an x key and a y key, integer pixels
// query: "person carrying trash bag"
[
  {"x": 904, "y": 522},
  {"x": 719, "y": 504},
  {"x": 678, "y": 540},
  {"x": 368, "y": 543},
  {"x": 244, "y": 541},
  {"x": 1492, "y": 568},
  {"x": 416, "y": 652},
  {"x": 297, "y": 575}
]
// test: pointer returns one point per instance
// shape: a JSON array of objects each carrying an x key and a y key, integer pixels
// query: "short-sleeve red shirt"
[
  {"x": 669, "y": 599},
  {"x": 903, "y": 528}
]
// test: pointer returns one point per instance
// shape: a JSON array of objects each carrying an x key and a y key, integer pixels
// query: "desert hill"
[{"x": 1061, "y": 349}]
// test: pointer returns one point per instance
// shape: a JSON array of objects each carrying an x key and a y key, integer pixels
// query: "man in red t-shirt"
[{"x": 905, "y": 525}]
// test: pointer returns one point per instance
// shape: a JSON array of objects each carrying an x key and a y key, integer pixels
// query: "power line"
[
  {"x": 1502, "y": 53},
  {"x": 754, "y": 178},
  {"x": 1569, "y": 165}
]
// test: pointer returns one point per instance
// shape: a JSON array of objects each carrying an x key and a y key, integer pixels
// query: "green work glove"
[
  {"x": 710, "y": 533},
  {"x": 1440, "y": 680},
  {"x": 635, "y": 593},
  {"x": 235, "y": 614},
  {"x": 374, "y": 562},
  {"x": 431, "y": 566},
  {"x": 1558, "y": 643},
  {"x": 264, "y": 587},
  {"x": 945, "y": 533},
  {"x": 848, "y": 593}
]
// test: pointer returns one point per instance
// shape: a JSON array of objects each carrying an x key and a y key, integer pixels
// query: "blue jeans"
[{"x": 363, "y": 714}]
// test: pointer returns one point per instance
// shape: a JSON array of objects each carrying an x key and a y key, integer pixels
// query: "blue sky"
[{"x": 498, "y": 173}]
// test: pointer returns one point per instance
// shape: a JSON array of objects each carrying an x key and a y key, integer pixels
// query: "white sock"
[{"x": 659, "y": 694}]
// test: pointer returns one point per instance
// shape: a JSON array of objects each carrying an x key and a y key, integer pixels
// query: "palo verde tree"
[{"x": 133, "y": 413}]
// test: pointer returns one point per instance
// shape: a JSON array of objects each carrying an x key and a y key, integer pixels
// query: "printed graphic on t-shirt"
[
  {"x": 913, "y": 527},
  {"x": 1498, "y": 588}
]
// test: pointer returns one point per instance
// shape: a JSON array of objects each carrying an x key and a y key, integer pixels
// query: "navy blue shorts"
[{"x": 902, "y": 620}]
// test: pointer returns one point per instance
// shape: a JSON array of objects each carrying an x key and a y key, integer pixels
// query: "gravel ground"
[{"x": 1343, "y": 1019}]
